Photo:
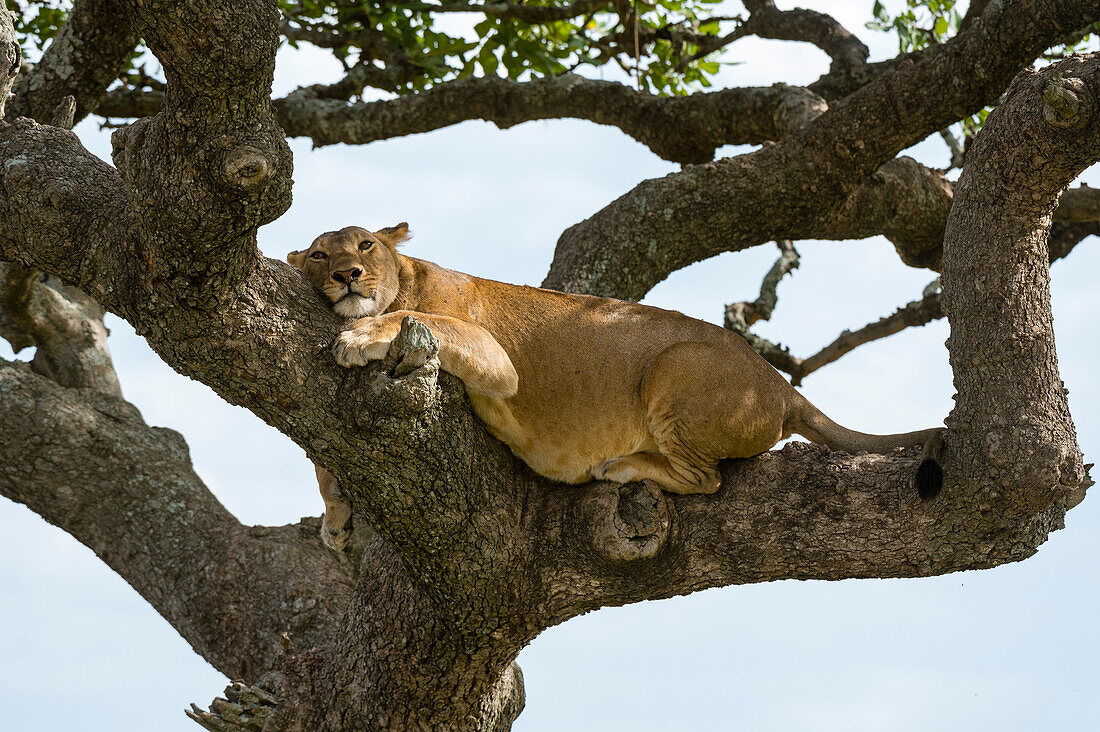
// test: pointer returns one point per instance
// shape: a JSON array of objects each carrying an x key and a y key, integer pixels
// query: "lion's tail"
[{"x": 812, "y": 424}]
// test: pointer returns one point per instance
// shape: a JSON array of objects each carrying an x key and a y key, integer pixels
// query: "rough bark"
[
  {"x": 792, "y": 189},
  {"x": 86, "y": 462},
  {"x": 474, "y": 554},
  {"x": 681, "y": 129},
  {"x": 10, "y": 59},
  {"x": 89, "y": 51},
  {"x": 1019, "y": 444}
]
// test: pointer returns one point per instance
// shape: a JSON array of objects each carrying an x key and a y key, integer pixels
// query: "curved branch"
[
  {"x": 86, "y": 462},
  {"x": 793, "y": 189},
  {"x": 810, "y": 26},
  {"x": 1011, "y": 423},
  {"x": 682, "y": 129},
  {"x": 90, "y": 50}
]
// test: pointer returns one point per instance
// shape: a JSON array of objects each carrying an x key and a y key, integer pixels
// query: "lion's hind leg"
[
  {"x": 677, "y": 476},
  {"x": 700, "y": 407}
]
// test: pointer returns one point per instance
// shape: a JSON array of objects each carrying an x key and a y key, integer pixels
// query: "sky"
[{"x": 1012, "y": 648}]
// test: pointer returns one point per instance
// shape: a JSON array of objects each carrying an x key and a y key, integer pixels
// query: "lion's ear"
[
  {"x": 297, "y": 258},
  {"x": 394, "y": 235}
]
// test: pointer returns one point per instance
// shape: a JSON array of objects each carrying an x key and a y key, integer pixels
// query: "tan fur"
[
  {"x": 580, "y": 387},
  {"x": 336, "y": 529}
]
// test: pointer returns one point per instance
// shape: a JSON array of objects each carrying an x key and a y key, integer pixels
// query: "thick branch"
[
  {"x": 1011, "y": 422},
  {"x": 128, "y": 102},
  {"x": 89, "y": 51},
  {"x": 682, "y": 129},
  {"x": 86, "y": 462},
  {"x": 801, "y": 512},
  {"x": 794, "y": 188},
  {"x": 203, "y": 174}
]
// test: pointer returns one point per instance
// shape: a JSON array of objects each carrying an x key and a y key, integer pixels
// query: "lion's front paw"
[
  {"x": 335, "y": 537},
  {"x": 356, "y": 348}
]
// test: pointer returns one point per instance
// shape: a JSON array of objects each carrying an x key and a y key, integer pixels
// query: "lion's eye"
[
  {"x": 366, "y": 245},
  {"x": 318, "y": 255}
]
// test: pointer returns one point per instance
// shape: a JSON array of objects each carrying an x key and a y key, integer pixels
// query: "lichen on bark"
[{"x": 463, "y": 555}]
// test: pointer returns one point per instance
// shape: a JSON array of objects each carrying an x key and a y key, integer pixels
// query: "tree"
[{"x": 471, "y": 555}]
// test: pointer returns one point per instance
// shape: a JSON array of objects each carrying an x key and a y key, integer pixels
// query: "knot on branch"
[
  {"x": 507, "y": 699},
  {"x": 1066, "y": 102},
  {"x": 1027, "y": 462},
  {"x": 627, "y": 523},
  {"x": 247, "y": 167},
  {"x": 65, "y": 113},
  {"x": 406, "y": 383},
  {"x": 413, "y": 347}
]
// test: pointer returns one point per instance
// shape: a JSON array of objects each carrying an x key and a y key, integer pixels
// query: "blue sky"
[{"x": 1013, "y": 648}]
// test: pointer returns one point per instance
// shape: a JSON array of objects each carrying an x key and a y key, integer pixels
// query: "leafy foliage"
[
  {"x": 921, "y": 23},
  {"x": 421, "y": 43},
  {"x": 438, "y": 41},
  {"x": 441, "y": 41},
  {"x": 927, "y": 22},
  {"x": 36, "y": 22}
]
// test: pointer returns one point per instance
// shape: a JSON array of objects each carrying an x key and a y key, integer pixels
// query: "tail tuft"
[{"x": 929, "y": 478}]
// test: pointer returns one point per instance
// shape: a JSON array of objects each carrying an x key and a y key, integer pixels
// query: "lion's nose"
[{"x": 347, "y": 276}]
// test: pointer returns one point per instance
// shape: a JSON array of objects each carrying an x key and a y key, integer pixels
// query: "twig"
[
  {"x": 740, "y": 315},
  {"x": 958, "y": 153},
  {"x": 918, "y": 312}
]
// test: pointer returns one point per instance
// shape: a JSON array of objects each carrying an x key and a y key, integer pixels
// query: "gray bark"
[
  {"x": 88, "y": 52},
  {"x": 795, "y": 188},
  {"x": 473, "y": 554}
]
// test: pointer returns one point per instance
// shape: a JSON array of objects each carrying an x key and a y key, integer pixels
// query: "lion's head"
[{"x": 355, "y": 268}]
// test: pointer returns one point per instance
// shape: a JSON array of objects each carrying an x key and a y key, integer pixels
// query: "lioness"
[{"x": 579, "y": 387}]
